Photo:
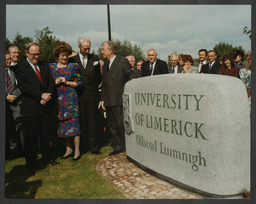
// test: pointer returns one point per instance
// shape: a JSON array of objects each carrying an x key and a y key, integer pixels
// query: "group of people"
[
  {"x": 230, "y": 64},
  {"x": 45, "y": 100}
]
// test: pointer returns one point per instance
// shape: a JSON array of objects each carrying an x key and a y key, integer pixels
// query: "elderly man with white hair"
[
  {"x": 88, "y": 96},
  {"x": 175, "y": 67}
]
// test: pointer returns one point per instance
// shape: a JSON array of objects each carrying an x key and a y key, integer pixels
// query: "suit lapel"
[
  {"x": 155, "y": 69},
  {"x": 113, "y": 65},
  {"x": 32, "y": 72}
]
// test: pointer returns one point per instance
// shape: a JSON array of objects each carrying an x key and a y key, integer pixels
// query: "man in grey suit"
[
  {"x": 12, "y": 105},
  {"x": 174, "y": 67},
  {"x": 115, "y": 73}
]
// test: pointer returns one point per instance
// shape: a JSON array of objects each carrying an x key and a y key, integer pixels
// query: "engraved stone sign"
[{"x": 191, "y": 128}]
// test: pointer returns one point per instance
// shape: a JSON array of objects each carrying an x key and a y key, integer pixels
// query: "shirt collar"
[
  {"x": 81, "y": 56},
  {"x": 112, "y": 59}
]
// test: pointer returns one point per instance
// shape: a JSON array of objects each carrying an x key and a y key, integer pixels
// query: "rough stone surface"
[{"x": 136, "y": 183}]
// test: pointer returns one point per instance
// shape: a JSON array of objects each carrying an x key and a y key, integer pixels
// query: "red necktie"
[
  {"x": 38, "y": 74},
  {"x": 202, "y": 65}
]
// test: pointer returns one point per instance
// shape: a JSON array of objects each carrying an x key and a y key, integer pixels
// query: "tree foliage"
[
  {"x": 46, "y": 42},
  {"x": 126, "y": 48},
  {"x": 225, "y": 48},
  {"x": 20, "y": 42},
  {"x": 44, "y": 38},
  {"x": 248, "y": 32}
]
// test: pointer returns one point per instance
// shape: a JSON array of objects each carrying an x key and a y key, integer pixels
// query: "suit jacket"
[
  {"x": 245, "y": 64},
  {"x": 113, "y": 82},
  {"x": 15, "y": 108},
  {"x": 16, "y": 90},
  {"x": 91, "y": 75},
  {"x": 32, "y": 89},
  {"x": 160, "y": 68},
  {"x": 180, "y": 69},
  {"x": 214, "y": 69}
]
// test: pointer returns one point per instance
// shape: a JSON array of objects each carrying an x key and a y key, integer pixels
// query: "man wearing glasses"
[{"x": 38, "y": 91}]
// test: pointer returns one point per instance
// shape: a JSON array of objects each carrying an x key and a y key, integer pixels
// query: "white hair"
[{"x": 81, "y": 40}]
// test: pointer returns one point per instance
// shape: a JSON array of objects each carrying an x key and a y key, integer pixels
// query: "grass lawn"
[{"x": 69, "y": 180}]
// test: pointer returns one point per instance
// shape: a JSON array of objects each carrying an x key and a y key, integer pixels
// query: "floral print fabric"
[
  {"x": 67, "y": 99},
  {"x": 245, "y": 76}
]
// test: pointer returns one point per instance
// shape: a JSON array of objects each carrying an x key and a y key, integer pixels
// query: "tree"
[
  {"x": 126, "y": 48},
  {"x": 247, "y": 31},
  {"x": 20, "y": 42},
  {"x": 46, "y": 42},
  {"x": 225, "y": 48}
]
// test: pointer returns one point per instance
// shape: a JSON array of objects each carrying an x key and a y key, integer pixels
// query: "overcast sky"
[{"x": 167, "y": 28}]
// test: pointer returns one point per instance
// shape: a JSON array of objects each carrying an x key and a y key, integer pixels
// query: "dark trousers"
[
  {"x": 116, "y": 127},
  {"x": 36, "y": 128},
  {"x": 10, "y": 129},
  {"x": 89, "y": 123}
]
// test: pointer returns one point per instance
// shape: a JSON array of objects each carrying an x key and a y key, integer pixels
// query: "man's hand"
[
  {"x": 46, "y": 96},
  {"x": 102, "y": 105},
  {"x": 43, "y": 102},
  {"x": 11, "y": 98}
]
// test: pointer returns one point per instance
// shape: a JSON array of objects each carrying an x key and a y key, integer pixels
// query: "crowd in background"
[{"x": 74, "y": 105}]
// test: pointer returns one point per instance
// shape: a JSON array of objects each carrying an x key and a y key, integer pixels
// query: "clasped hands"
[
  {"x": 45, "y": 98},
  {"x": 60, "y": 80}
]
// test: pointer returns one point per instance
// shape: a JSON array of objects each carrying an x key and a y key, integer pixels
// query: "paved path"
[{"x": 135, "y": 183}]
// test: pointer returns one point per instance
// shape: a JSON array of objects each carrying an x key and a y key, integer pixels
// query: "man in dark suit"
[
  {"x": 238, "y": 58},
  {"x": 202, "y": 55},
  {"x": 175, "y": 67},
  {"x": 88, "y": 96},
  {"x": 212, "y": 67},
  {"x": 115, "y": 73},
  {"x": 153, "y": 66},
  {"x": 38, "y": 93}
]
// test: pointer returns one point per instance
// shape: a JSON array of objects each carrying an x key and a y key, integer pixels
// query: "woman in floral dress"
[
  {"x": 67, "y": 78},
  {"x": 245, "y": 76}
]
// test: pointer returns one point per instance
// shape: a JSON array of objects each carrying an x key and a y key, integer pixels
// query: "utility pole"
[{"x": 109, "y": 27}]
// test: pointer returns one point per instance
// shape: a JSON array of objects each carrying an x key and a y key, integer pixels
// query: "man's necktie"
[
  {"x": 107, "y": 65},
  {"x": 150, "y": 66},
  {"x": 38, "y": 74},
  {"x": 173, "y": 69},
  {"x": 210, "y": 65},
  {"x": 84, "y": 62},
  {"x": 201, "y": 66},
  {"x": 8, "y": 82}
]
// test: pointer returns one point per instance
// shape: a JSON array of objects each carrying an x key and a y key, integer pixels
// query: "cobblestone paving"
[{"x": 135, "y": 183}]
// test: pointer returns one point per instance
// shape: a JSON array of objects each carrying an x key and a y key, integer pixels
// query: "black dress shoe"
[
  {"x": 67, "y": 156},
  {"x": 75, "y": 159},
  {"x": 115, "y": 152},
  {"x": 96, "y": 152},
  {"x": 54, "y": 162}
]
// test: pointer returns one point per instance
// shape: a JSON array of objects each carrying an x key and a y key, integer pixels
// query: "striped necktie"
[{"x": 8, "y": 82}]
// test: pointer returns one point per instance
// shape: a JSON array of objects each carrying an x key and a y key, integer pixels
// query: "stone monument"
[{"x": 193, "y": 129}]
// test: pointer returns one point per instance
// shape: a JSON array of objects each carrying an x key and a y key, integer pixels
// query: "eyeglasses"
[{"x": 34, "y": 54}]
